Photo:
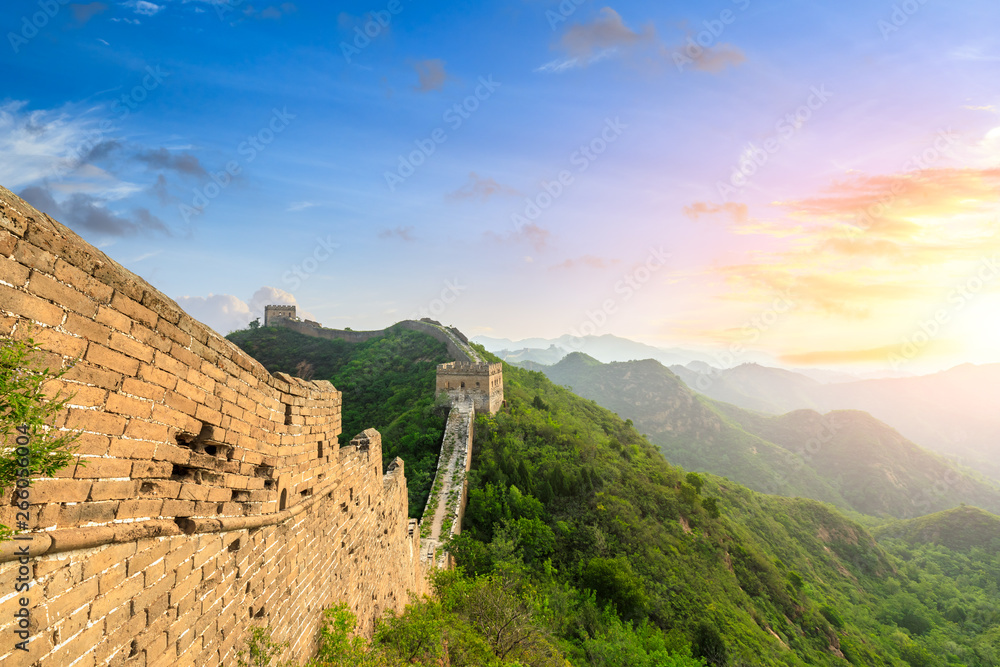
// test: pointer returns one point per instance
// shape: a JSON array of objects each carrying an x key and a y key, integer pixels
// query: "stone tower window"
[{"x": 283, "y": 502}]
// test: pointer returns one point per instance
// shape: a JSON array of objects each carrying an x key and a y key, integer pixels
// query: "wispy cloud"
[
  {"x": 83, "y": 13},
  {"x": 84, "y": 212},
  {"x": 585, "y": 262},
  {"x": 738, "y": 212},
  {"x": 607, "y": 31},
  {"x": 404, "y": 233},
  {"x": 869, "y": 244},
  {"x": 295, "y": 207},
  {"x": 38, "y": 144},
  {"x": 143, "y": 8},
  {"x": 531, "y": 234},
  {"x": 481, "y": 188},
  {"x": 431, "y": 75},
  {"x": 161, "y": 158},
  {"x": 607, "y": 37}
]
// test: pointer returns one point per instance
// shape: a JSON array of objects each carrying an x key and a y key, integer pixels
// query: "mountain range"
[
  {"x": 845, "y": 457},
  {"x": 954, "y": 412}
]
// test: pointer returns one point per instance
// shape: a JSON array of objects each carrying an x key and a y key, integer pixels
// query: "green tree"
[
  {"x": 708, "y": 644},
  {"x": 260, "y": 650},
  {"x": 711, "y": 506},
  {"x": 29, "y": 446},
  {"x": 695, "y": 480}
]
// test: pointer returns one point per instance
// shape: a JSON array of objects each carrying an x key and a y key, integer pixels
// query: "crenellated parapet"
[
  {"x": 482, "y": 383},
  {"x": 209, "y": 496}
]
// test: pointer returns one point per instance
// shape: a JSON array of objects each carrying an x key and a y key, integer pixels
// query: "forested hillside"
[
  {"x": 582, "y": 506},
  {"x": 387, "y": 384},
  {"x": 582, "y": 545},
  {"x": 846, "y": 457}
]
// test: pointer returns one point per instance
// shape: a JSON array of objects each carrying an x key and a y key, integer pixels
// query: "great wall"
[{"x": 210, "y": 496}]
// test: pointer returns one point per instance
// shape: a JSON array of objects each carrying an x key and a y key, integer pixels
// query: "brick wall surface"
[{"x": 210, "y": 496}]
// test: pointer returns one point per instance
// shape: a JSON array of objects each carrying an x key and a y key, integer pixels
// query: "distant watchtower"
[
  {"x": 483, "y": 383},
  {"x": 274, "y": 313}
]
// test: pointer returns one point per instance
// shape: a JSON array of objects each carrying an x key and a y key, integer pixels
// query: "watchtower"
[
  {"x": 274, "y": 313},
  {"x": 482, "y": 383}
]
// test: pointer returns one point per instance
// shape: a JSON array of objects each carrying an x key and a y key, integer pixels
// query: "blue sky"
[{"x": 121, "y": 119}]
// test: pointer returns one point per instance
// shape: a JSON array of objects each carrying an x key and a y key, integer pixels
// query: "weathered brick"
[
  {"x": 178, "y": 507},
  {"x": 94, "y": 468},
  {"x": 134, "y": 509},
  {"x": 114, "y": 490},
  {"x": 108, "y": 358},
  {"x": 31, "y": 307},
  {"x": 7, "y": 242},
  {"x": 208, "y": 415},
  {"x": 167, "y": 363},
  {"x": 126, "y": 405},
  {"x": 92, "y": 444},
  {"x": 95, "y": 421},
  {"x": 86, "y": 373},
  {"x": 102, "y": 512},
  {"x": 147, "y": 469},
  {"x": 165, "y": 451},
  {"x": 112, "y": 318},
  {"x": 71, "y": 275},
  {"x": 149, "y": 337},
  {"x": 143, "y": 389},
  {"x": 182, "y": 403},
  {"x": 51, "y": 289},
  {"x": 121, "y": 595},
  {"x": 133, "y": 348},
  {"x": 60, "y": 491},
  {"x": 34, "y": 257},
  {"x": 133, "y": 310},
  {"x": 175, "y": 419},
  {"x": 14, "y": 273},
  {"x": 76, "y": 394},
  {"x": 107, "y": 557},
  {"x": 131, "y": 449},
  {"x": 158, "y": 376}
]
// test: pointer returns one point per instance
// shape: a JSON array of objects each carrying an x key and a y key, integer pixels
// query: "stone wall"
[
  {"x": 316, "y": 331},
  {"x": 480, "y": 382},
  {"x": 455, "y": 347},
  {"x": 210, "y": 496},
  {"x": 445, "y": 508}
]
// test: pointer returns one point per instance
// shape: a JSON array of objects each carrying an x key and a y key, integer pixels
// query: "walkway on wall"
[
  {"x": 463, "y": 346},
  {"x": 442, "y": 516}
]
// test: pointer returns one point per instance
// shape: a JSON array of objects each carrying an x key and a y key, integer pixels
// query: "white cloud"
[
  {"x": 222, "y": 312},
  {"x": 41, "y": 144},
  {"x": 272, "y": 296},
  {"x": 560, "y": 65},
  {"x": 143, "y": 8},
  {"x": 225, "y": 312},
  {"x": 300, "y": 206}
]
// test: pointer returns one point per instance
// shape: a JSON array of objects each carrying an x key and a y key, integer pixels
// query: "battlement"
[
  {"x": 470, "y": 368},
  {"x": 210, "y": 494},
  {"x": 272, "y": 314},
  {"x": 480, "y": 382}
]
